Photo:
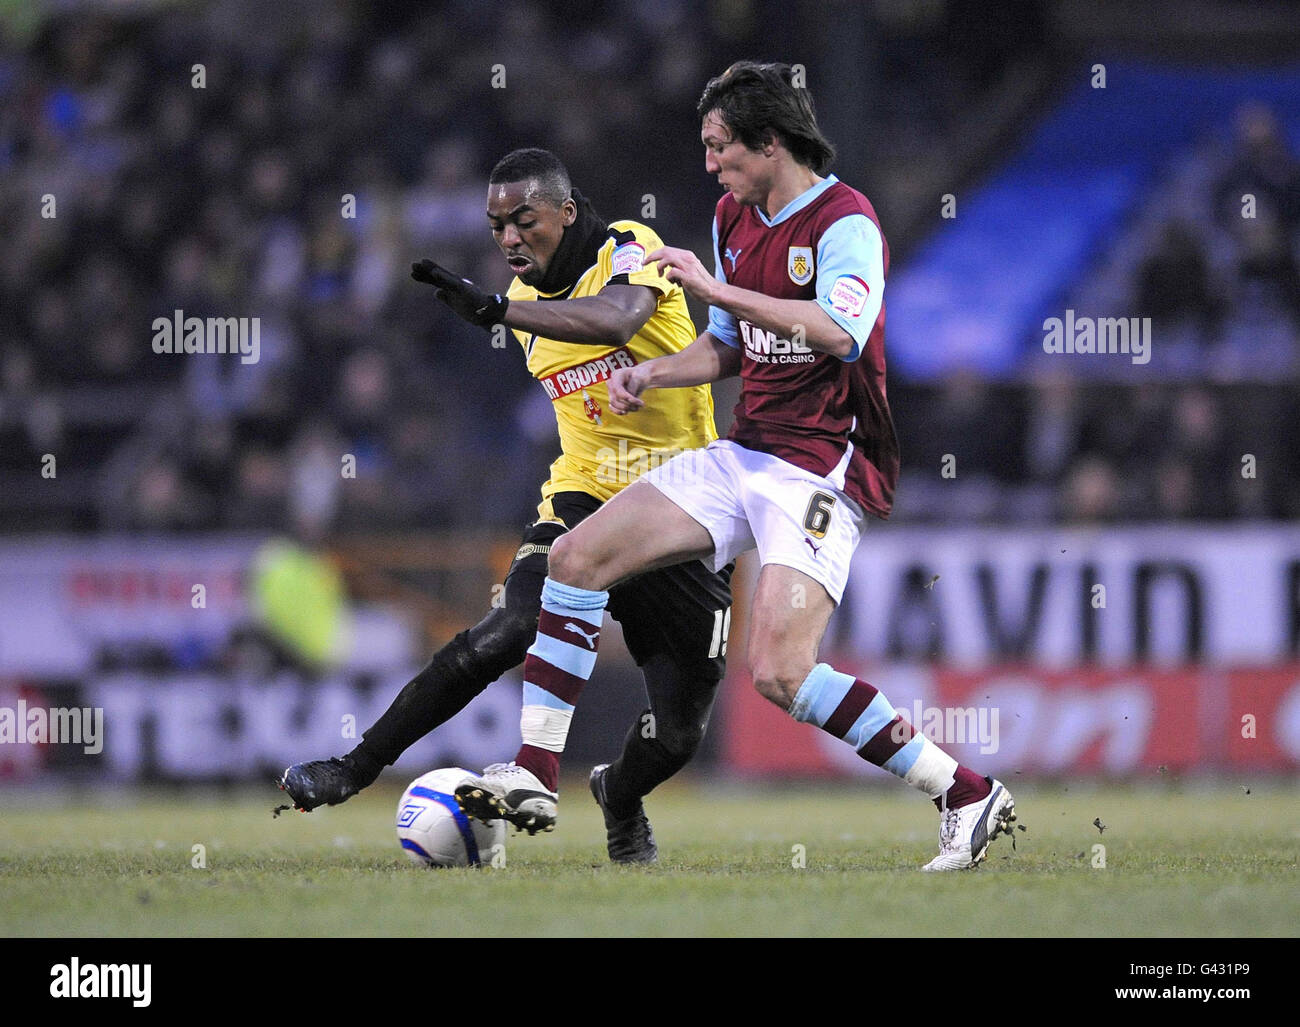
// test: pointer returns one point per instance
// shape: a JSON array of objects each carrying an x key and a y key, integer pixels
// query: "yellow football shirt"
[{"x": 604, "y": 452}]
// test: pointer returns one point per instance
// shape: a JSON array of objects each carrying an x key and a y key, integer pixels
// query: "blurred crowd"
[
  {"x": 1212, "y": 257},
  {"x": 1070, "y": 452},
  {"x": 208, "y": 159},
  {"x": 1225, "y": 261}
]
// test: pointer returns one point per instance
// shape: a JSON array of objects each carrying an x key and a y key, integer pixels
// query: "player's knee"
[
  {"x": 570, "y": 564},
  {"x": 504, "y": 635}
]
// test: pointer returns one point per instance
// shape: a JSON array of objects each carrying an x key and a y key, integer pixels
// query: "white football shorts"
[{"x": 747, "y": 500}]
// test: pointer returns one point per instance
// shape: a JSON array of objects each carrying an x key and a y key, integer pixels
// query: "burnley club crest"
[{"x": 801, "y": 264}]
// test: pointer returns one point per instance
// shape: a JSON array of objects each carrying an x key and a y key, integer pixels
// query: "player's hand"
[
  {"x": 465, "y": 298},
  {"x": 625, "y": 387},
  {"x": 684, "y": 268}
]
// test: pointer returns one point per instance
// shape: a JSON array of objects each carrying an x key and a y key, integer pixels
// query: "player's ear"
[{"x": 568, "y": 212}]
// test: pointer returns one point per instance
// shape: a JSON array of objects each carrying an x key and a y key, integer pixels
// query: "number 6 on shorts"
[{"x": 818, "y": 516}]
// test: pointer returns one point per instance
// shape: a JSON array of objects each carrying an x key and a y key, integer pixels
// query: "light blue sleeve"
[
  {"x": 722, "y": 325},
  {"x": 851, "y": 276}
]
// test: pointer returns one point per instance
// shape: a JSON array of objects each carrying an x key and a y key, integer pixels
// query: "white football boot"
[
  {"x": 507, "y": 791},
  {"x": 965, "y": 832}
]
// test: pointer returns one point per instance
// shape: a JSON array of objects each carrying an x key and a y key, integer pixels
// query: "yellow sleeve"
[
  {"x": 632, "y": 241},
  {"x": 519, "y": 291}
]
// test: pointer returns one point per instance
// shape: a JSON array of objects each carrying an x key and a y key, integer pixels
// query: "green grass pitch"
[{"x": 1180, "y": 861}]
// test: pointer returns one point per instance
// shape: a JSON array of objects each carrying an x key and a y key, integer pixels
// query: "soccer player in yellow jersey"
[{"x": 582, "y": 305}]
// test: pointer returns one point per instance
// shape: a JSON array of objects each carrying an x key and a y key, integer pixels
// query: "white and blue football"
[{"x": 435, "y": 832}]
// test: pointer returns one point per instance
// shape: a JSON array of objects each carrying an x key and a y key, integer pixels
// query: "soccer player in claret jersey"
[
  {"x": 582, "y": 304},
  {"x": 796, "y": 309}
]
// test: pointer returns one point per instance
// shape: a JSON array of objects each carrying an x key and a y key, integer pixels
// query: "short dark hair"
[
  {"x": 532, "y": 163},
  {"x": 756, "y": 100}
]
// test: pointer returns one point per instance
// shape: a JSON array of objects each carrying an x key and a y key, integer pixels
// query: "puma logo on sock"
[{"x": 590, "y": 639}]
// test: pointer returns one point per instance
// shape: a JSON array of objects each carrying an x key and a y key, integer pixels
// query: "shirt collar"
[{"x": 798, "y": 203}]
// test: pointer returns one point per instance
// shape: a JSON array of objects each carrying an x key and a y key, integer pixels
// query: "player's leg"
[
  {"x": 675, "y": 623},
  {"x": 687, "y": 513},
  {"x": 788, "y": 618},
  {"x": 662, "y": 740},
  {"x": 640, "y": 529},
  {"x": 612, "y": 543},
  {"x": 455, "y": 674},
  {"x": 807, "y": 530}
]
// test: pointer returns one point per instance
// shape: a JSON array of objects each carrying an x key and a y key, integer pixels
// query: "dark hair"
[
  {"x": 531, "y": 163},
  {"x": 756, "y": 100}
]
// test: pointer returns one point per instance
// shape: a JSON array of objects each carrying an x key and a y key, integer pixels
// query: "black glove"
[{"x": 465, "y": 298}]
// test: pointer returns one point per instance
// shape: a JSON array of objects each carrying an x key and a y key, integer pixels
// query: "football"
[{"x": 435, "y": 832}]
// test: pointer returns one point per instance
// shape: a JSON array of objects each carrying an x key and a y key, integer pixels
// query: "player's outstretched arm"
[
  {"x": 707, "y": 359},
  {"x": 787, "y": 318},
  {"x": 610, "y": 318}
]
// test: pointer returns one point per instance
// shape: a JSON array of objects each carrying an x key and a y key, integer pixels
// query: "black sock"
[
  {"x": 465, "y": 666},
  {"x": 661, "y": 742},
  {"x": 639, "y": 769},
  {"x": 365, "y": 768},
  {"x": 453, "y": 677}
]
